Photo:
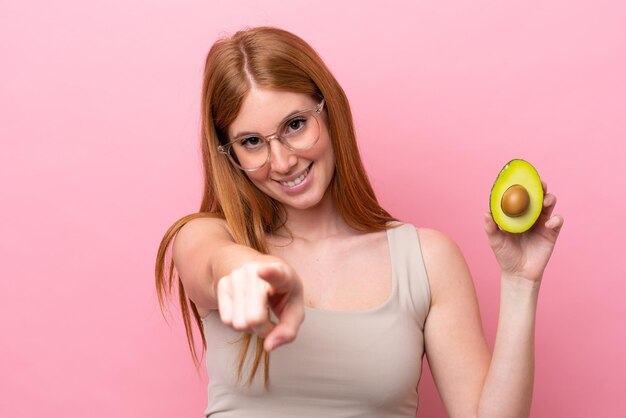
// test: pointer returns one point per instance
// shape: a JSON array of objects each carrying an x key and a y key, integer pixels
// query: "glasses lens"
[
  {"x": 300, "y": 132},
  {"x": 249, "y": 152}
]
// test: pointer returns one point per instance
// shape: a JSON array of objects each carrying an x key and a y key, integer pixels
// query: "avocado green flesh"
[{"x": 523, "y": 173}]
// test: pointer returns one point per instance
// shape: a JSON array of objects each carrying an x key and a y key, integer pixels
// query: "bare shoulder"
[
  {"x": 199, "y": 231},
  {"x": 438, "y": 248},
  {"x": 436, "y": 242},
  {"x": 444, "y": 261},
  {"x": 202, "y": 228}
]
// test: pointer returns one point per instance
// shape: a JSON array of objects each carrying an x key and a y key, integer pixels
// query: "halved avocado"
[{"x": 516, "y": 197}]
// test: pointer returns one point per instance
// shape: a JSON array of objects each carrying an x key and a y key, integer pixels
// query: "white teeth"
[{"x": 296, "y": 181}]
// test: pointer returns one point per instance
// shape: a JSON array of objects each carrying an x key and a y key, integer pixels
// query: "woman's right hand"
[{"x": 244, "y": 295}]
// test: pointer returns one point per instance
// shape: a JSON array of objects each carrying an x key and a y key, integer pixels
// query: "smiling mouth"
[{"x": 297, "y": 180}]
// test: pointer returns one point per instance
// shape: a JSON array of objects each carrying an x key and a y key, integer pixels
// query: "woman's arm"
[
  {"x": 203, "y": 252},
  {"x": 471, "y": 381},
  {"x": 508, "y": 388},
  {"x": 238, "y": 281},
  {"x": 456, "y": 348}
]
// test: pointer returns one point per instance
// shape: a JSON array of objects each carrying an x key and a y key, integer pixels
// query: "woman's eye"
[
  {"x": 251, "y": 142},
  {"x": 295, "y": 125}
]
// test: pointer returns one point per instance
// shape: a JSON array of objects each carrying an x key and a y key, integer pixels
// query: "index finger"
[
  {"x": 287, "y": 328},
  {"x": 274, "y": 274}
]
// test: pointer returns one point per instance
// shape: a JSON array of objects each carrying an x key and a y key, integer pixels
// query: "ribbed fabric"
[{"x": 342, "y": 364}]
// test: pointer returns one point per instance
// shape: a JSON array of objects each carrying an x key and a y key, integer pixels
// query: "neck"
[{"x": 316, "y": 223}]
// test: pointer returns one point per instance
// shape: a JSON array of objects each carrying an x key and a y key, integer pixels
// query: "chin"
[{"x": 314, "y": 200}]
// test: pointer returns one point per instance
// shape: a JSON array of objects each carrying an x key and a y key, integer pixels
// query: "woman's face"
[{"x": 297, "y": 179}]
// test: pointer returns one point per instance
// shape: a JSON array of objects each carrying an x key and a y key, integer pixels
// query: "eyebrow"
[{"x": 246, "y": 133}]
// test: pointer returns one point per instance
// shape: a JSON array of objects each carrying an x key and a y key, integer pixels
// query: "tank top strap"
[{"x": 409, "y": 271}]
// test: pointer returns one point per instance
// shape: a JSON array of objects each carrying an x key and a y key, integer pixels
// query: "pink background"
[{"x": 99, "y": 155}]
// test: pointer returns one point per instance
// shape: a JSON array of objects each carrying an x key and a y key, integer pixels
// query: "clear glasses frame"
[{"x": 226, "y": 148}]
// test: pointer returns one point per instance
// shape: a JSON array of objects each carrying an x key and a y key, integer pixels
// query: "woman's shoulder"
[
  {"x": 443, "y": 259},
  {"x": 435, "y": 242},
  {"x": 200, "y": 227}
]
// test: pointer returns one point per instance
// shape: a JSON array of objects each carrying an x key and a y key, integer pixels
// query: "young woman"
[{"x": 291, "y": 249}]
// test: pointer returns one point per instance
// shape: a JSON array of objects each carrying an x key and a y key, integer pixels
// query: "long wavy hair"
[{"x": 269, "y": 58}]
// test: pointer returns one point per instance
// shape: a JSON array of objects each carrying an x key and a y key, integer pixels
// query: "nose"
[{"x": 282, "y": 159}]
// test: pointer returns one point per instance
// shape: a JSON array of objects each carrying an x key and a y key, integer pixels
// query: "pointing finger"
[
  {"x": 285, "y": 332},
  {"x": 274, "y": 274}
]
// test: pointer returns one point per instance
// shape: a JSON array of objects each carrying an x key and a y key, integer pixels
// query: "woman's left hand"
[{"x": 526, "y": 255}]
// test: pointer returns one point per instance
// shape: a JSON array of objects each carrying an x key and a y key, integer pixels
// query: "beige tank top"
[{"x": 342, "y": 364}]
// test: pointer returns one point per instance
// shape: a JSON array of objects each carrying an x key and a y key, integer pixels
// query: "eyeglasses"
[{"x": 298, "y": 132}]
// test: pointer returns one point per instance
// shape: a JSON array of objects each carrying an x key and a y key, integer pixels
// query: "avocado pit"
[{"x": 515, "y": 201}]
